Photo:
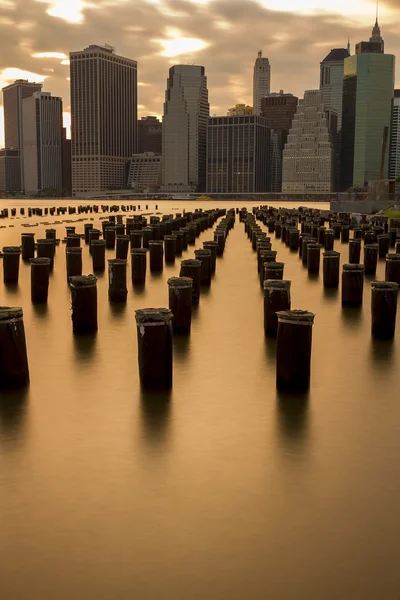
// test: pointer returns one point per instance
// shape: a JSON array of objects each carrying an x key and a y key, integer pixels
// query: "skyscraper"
[
  {"x": 261, "y": 81},
  {"x": 42, "y": 142},
  {"x": 367, "y": 106},
  {"x": 331, "y": 81},
  {"x": 13, "y": 95},
  {"x": 279, "y": 110},
  {"x": 238, "y": 155},
  {"x": 394, "y": 157},
  {"x": 149, "y": 135},
  {"x": 308, "y": 157},
  {"x": 186, "y": 112},
  {"x": 103, "y": 118}
]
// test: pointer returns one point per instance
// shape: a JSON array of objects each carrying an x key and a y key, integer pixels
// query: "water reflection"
[
  {"x": 139, "y": 289},
  {"x": 351, "y": 316},
  {"x": 382, "y": 354},
  {"x": 155, "y": 413},
  {"x": 12, "y": 288},
  {"x": 270, "y": 349},
  {"x": 118, "y": 309},
  {"x": 293, "y": 416},
  {"x": 313, "y": 277},
  {"x": 330, "y": 293},
  {"x": 40, "y": 309},
  {"x": 85, "y": 346},
  {"x": 181, "y": 344},
  {"x": 13, "y": 413}
]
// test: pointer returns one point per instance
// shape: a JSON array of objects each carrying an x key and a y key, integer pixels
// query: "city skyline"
[{"x": 39, "y": 35}]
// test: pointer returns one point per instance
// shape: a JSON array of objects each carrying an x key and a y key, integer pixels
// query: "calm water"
[{"x": 225, "y": 490}]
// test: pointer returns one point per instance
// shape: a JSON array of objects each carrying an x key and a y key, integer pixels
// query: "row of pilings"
[
  {"x": 162, "y": 240},
  {"x": 308, "y": 233}
]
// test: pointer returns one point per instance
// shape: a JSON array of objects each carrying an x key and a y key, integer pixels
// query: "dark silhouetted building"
[
  {"x": 279, "y": 110},
  {"x": 149, "y": 135},
  {"x": 10, "y": 175},
  {"x": 238, "y": 155},
  {"x": 66, "y": 151}
]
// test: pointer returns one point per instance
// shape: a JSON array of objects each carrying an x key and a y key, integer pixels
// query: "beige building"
[
  {"x": 308, "y": 156},
  {"x": 185, "y": 120},
  {"x": 145, "y": 170},
  {"x": 103, "y": 118},
  {"x": 240, "y": 110},
  {"x": 42, "y": 142},
  {"x": 13, "y": 96},
  {"x": 261, "y": 81}
]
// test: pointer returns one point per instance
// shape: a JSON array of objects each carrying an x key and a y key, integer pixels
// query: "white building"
[
  {"x": 308, "y": 157},
  {"x": 185, "y": 120},
  {"x": 145, "y": 170},
  {"x": 261, "y": 82},
  {"x": 103, "y": 118},
  {"x": 42, "y": 142},
  {"x": 394, "y": 157}
]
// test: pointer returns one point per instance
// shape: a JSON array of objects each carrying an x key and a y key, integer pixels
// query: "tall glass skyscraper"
[
  {"x": 367, "y": 104},
  {"x": 186, "y": 112}
]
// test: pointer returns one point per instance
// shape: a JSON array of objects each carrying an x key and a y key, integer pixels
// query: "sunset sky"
[{"x": 223, "y": 35}]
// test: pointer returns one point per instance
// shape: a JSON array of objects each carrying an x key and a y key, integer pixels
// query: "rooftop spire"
[
  {"x": 259, "y": 53},
  {"x": 348, "y": 46}
]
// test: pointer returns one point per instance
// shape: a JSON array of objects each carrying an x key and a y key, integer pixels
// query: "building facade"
[
  {"x": 238, "y": 155},
  {"x": 149, "y": 135},
  {"x": 145, "y": 170},
  {"x": 42, "y": 142},
  {"x": 279, "y": 110},
  {"x": 308, "y": 157},
  {"x": 240, "y": 110},
  {"x": 367, "y": 109},
  {"x": 261, "y": 81},
  {"x": 10, "y": 174},
  {"x": 66, "y": 163},
  {"x": 103, "y": 118},
  {"x": 394, "y": 156},
  {"x": 186, "y": 113},
  {"x": 331, "y": 81},
  {"x": 13, "y": 96}
]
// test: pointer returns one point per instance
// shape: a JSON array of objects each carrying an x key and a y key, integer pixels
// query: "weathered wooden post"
[
  {"x": 84, "y": 303},
  {"x": 293, "y": 349},
  {"x": 14, "y": 370},
  {"x": 154, "y": 333},
  {"x": 384, "y": 309},
  {"x": 180, "y": 302}
]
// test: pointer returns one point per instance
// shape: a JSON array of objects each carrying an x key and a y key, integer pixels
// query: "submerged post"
[
  {"x": 84, "y": 303},
  {"x": 117, "y": 290},
  {"x": 154, "y": 332},
  {"x": 14, "y": 370},
  {"x": 40, "y": 272},
  {"x": 180, "y": 302},
  {"x": 352, "y": 285},
  {"x": 276, "y": 298},
  {"x": 138, "y": 265},
  {"x": 11, "y": 264},
  {"x": 192, "y": 268},
  {"x": 384, "y": 309},
  {"x": 293, "y": 349}
]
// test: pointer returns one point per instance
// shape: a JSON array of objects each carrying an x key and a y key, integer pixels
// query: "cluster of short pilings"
[{"x": 161, "y": 239}]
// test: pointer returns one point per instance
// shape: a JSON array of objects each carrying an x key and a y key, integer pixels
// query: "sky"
[{"x": 36, "y": 37}]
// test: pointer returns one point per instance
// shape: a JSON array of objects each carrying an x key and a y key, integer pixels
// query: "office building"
[
  {"x": 186, "y": 112},
  {"x": 240, "y": 110},
  {"x": 367, "y": 107},
  {"x": 145, "y": 170},
  {"x": 103, "y": 118},
  {"x": 42, "y": 142},
  {"x": 238, "y": 155},
  {"x": 308, "y": 157},
  {"x": 10, "y": 174},
  {"x": 394, "y": 156},
  {"x": 331, "y": 81},
  {"x": 149, "y": 135},
  {"x": 279, "y": 110},
  {"x": 261, "y": 81},
  {"x": 66, "y": 151},
  {"x": 13, "y": 96}
]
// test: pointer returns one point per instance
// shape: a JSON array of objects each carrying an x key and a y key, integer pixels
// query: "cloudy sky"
[{"x": 223, "y": 35}]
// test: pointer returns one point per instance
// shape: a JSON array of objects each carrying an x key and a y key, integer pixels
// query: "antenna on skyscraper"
[{"x": 377, "y": 9}]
